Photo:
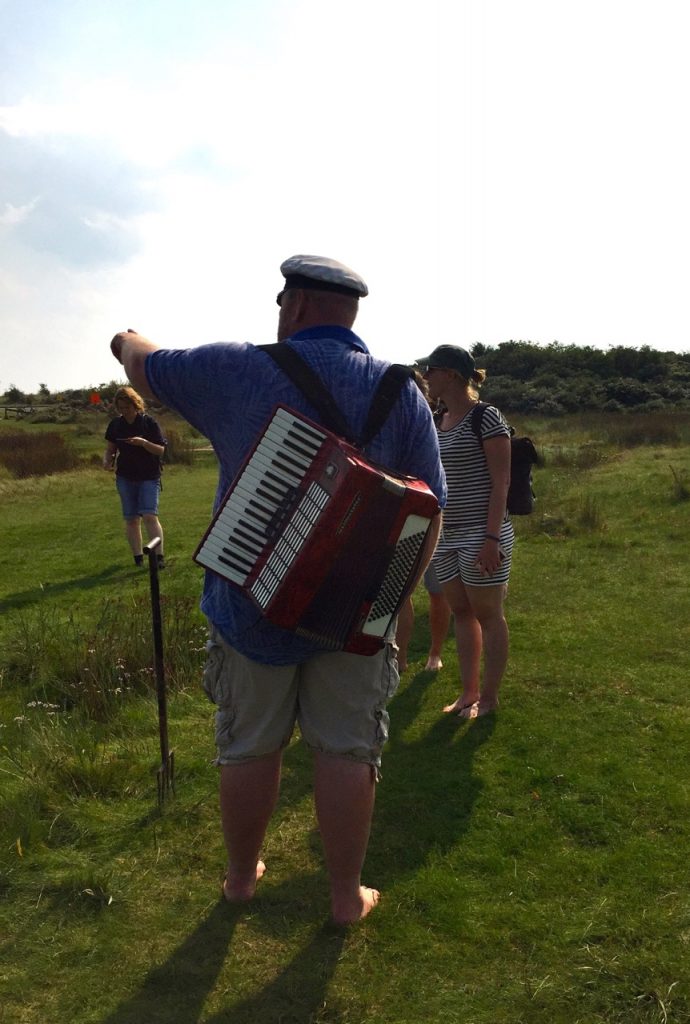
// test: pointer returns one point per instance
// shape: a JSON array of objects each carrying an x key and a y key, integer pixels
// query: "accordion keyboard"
[
  {"x": 263, "y": 497},
  {"x": 323, "y": 542}
]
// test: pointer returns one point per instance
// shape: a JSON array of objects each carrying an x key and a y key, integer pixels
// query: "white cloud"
[
  {"x": 16, "y": 214},
  {"x": 494, "y": 170}
]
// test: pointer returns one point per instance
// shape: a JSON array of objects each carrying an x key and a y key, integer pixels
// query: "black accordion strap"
[
  {"x": 311, "y": 385},
  {"x": 390, "y": 386}
]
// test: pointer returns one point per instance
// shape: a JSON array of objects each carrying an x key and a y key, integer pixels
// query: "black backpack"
[{"x": 523, "y": 455}]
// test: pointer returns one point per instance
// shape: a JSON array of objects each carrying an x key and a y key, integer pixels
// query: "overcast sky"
[{"x": 495, "y": 170}]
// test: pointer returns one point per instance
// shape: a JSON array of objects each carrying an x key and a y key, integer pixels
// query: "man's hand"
[
  {"x": 119, "y": 340},
  {"x": 131, "y": 349}
]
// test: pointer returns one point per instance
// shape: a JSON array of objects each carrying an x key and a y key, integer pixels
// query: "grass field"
[{"x": 534, "y": 867}]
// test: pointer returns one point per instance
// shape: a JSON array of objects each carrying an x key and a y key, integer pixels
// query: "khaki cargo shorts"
[{"x": 339, "y": 701}]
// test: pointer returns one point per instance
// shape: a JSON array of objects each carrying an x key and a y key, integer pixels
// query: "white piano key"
[
  {"x": 217, "y": 548},
  {"x": 205, "y": 558}
]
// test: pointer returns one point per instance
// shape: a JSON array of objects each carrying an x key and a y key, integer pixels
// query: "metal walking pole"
[{"x": 165, "y": 777}]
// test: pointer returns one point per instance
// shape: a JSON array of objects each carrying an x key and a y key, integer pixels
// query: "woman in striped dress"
[{"x": 473, "y": 556}]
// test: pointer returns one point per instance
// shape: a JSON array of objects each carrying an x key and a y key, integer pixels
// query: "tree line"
[
  {"x": 556, "y": 379},
  {"x": 522, "y": 376},
  {"x": 75, "y": 397}
]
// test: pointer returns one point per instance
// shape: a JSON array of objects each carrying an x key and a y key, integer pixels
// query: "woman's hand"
[
  {"x": 109, "y": 456},
  {"x": 142, "y": 442},
  {"x": 489, "y": 557}
]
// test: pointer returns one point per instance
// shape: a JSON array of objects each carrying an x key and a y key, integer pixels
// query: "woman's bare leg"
[
  {"x": 468, "y": 639},
  {"x": 439, "y": 621},
  {"x": 487, "y": 604},
  {"x": 133, "y": 535},
  {"x": 154, "y": 529}
]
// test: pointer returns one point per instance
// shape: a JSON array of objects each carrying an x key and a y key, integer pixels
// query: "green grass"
[{"x": 533, "y": 867}]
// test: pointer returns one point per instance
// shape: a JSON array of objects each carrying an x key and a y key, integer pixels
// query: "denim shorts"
[
  {"x": 338, "y": 699},
  {"x": 138, "y": 497}
]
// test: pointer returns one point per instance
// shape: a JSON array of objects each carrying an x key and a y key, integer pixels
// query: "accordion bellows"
[{"x": 324, "y": 543}]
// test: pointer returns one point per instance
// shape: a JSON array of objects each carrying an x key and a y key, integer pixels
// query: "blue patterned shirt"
[{"x": 228, "y": 392}]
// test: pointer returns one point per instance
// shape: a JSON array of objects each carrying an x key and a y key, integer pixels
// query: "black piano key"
[
  {"x": 294, "y": 446},
  {"x": 236, "y": 540},
  {"x": 232, "y": 565},
  {"x": 237, "y": 561}
]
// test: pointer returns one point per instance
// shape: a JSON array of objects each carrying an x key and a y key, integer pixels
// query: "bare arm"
[
  {"x": 109, "y": 455},
  {"x": 150, "y": 446},
  {"x": 497, "y": 452},
  {"x": 131, "y": 349}
]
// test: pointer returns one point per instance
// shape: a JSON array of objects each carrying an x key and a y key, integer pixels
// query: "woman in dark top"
[{"x": 135, "y": 447}]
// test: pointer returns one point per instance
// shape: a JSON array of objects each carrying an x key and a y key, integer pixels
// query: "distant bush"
[
  {"x": 43, "y": 454},
  {"x": 554, "y": 379},
  {"x": 179, "y": 448},
  {"x": 62, "y": 413},
  {"x": 628, "y": 391},
  {"x": 88, "y": 428},
  {"x": 43, "y": 417}
]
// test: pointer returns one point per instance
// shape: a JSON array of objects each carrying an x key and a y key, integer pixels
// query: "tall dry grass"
[
  {"x": 25, "y": 455},
  {"x": 93, "y": 666}
]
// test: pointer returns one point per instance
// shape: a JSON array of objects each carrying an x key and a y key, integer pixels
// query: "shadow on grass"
[
  {"x": 423, "y": 808},
  {"x": 299, "y": 992},
  {"x": 176, "y": 991},
  {"x": 425, "y": 801},
  {"x": 39, "y": 593}
]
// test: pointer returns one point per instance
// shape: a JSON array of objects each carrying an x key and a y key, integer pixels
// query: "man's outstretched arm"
[{"x": 131, "y": 349}]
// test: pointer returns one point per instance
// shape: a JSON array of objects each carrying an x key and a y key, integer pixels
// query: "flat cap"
[
  {"x": 322, "y": 274},
  {"x": 449, "y": 357}
]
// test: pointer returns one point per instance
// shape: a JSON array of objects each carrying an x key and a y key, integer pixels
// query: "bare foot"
[
  {"x": 486, "y": 707},
  {"x": 241, "y": 889},
  {"x": 463, "y": 707},
  {"x": 351, "y": 911},
  {"x": 433, "y": 663}
]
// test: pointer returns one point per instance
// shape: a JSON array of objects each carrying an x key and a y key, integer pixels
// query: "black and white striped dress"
[{"x": 469, "y": 489}]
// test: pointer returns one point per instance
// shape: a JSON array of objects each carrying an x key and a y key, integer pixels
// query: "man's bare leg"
[
  {"x": 344, "y": 793},
  {"x": 248, "y": 795}
]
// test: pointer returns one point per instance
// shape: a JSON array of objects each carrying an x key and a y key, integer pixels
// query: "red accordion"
[{"x": 323, "y": 542}]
